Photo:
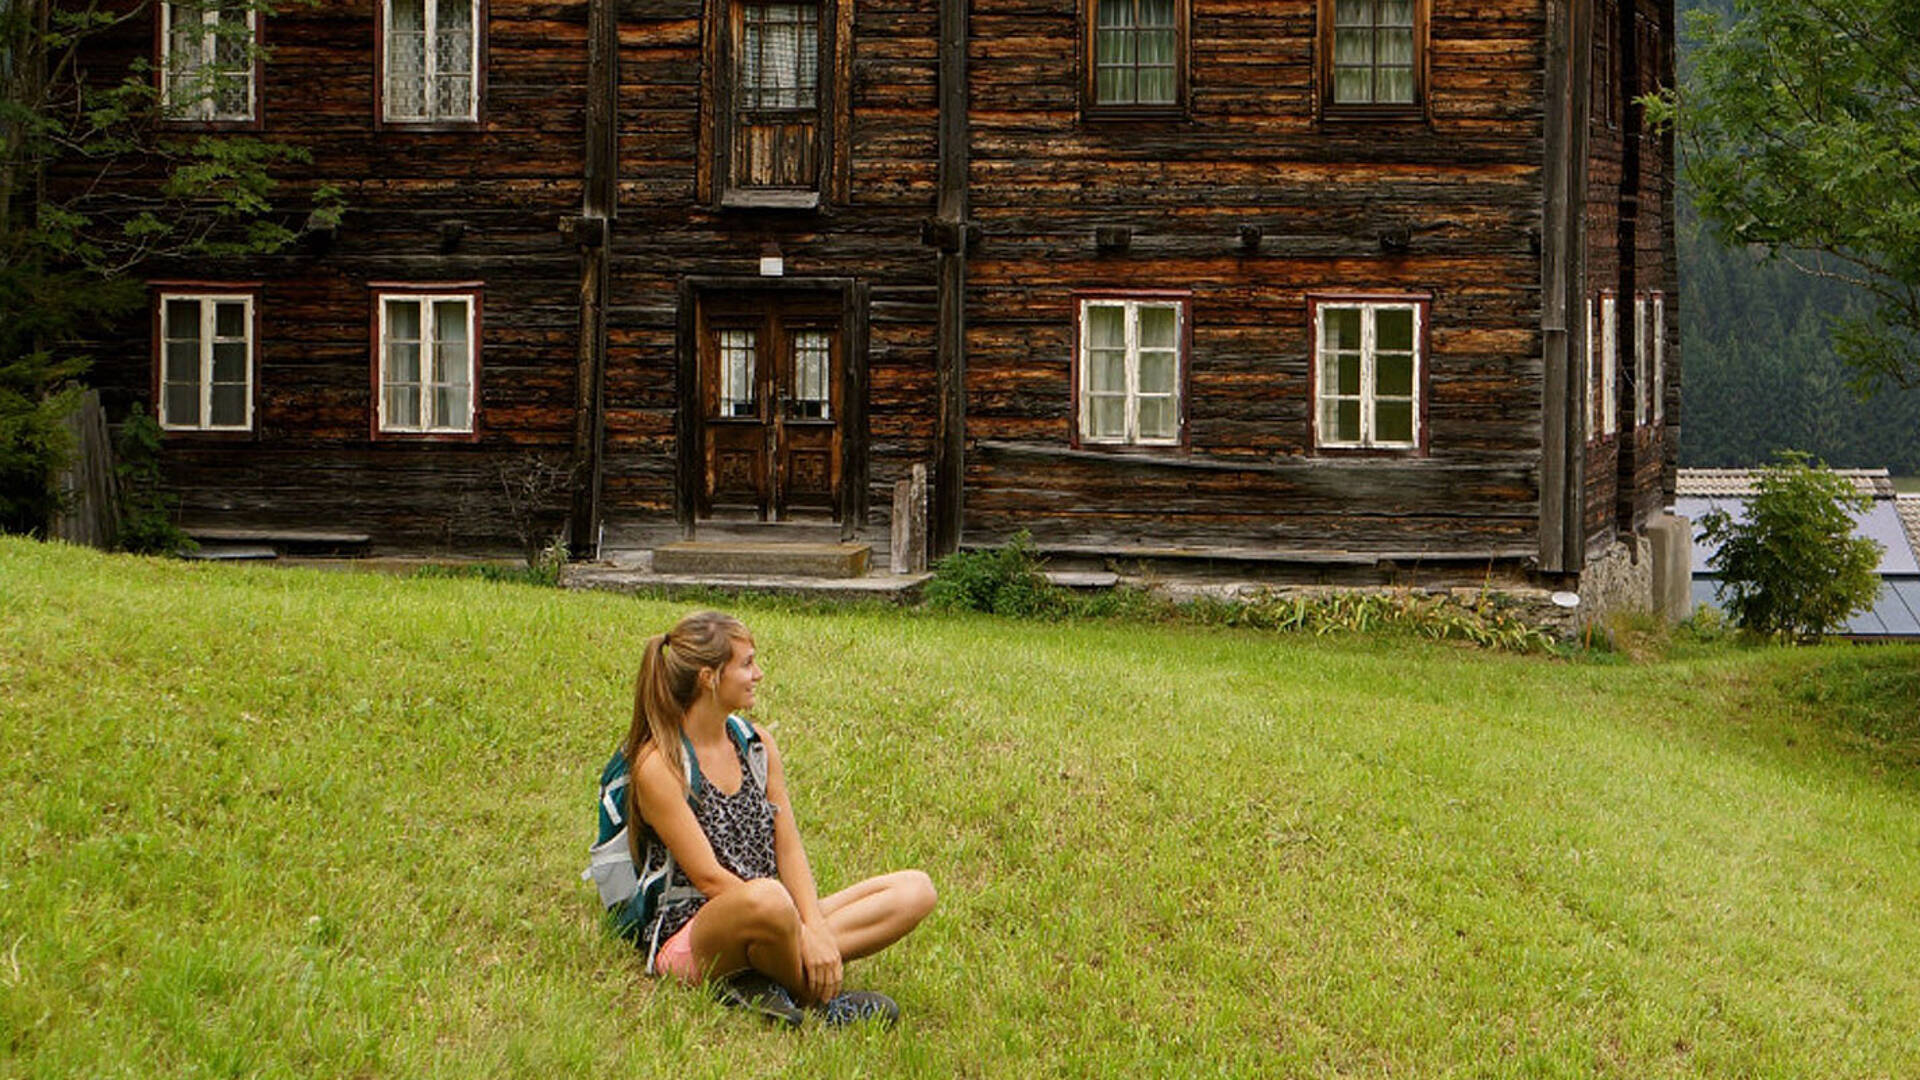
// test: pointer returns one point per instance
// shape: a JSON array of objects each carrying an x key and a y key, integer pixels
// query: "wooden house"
[{"x": 1355, "y": 284}]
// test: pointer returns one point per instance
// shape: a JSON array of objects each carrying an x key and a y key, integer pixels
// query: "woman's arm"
[
  {"x": 664, "y": 805},
  {"x": 819, "y": 952}
]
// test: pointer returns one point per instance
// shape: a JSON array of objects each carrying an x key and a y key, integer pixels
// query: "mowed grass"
[{"x": 260, "y": 822}]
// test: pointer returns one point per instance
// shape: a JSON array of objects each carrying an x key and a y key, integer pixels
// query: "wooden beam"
[
  {"x": 600, "y": 173},
  {"x": 950, "y": 428}
]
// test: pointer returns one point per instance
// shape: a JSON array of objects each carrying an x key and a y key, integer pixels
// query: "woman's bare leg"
[
  {"x": 754, "y": 926},
  {"x": 877, "y": 912}
]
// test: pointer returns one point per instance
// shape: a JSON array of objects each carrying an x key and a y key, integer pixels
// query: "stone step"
[
  {"x": 751, "y": 558},
  {"x": 284, "y": 541}
]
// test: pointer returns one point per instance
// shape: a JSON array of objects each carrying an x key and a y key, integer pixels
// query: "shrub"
[
  {"x": 1794, "y": 568},
  {"x": 1005, "y": 581},
  {"x": 146, "y": 511}
]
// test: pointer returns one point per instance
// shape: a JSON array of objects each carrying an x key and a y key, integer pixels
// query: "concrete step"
[
  {"x": 767, "y": 532},
  {"x": 749, "y": 558}
]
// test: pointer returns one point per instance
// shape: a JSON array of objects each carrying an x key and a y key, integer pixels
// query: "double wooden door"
[{"x": 770, "y": 378}]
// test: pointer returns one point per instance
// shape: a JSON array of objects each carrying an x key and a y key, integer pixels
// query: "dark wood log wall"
[
  {"x": 472, "y": 204},
  {"x": 1631, "y": 251},
  {"x": 868, "y": 228},
  {"x": 1464, "y": 187}
]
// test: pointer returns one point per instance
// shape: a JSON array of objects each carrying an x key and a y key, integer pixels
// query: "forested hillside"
[{"x": 1760, "y": 374}]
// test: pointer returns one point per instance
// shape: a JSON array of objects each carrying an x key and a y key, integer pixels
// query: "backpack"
[{"x": 634, "y": 896}]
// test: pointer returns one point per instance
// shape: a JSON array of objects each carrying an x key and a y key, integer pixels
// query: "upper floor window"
[
  {"x": 1603, "y": 368},
  {"x": 428, "y": 360},
  {"x": 1370, "y": 375},
  {"x": 1373, "y": 56},
  {"x": 774, "y": 138},
  {"x": 207, "y": 61},
  {"x": 1131, "y": 371},
  {"x": 1136, "y": 55},
  {"x": 430, "y": 61},
  {"x": 1659, "y": 358},
  {"x": 206, "y": 361}
]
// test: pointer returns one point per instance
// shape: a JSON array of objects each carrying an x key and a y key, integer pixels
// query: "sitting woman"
[{"x": 740, "y": 903}]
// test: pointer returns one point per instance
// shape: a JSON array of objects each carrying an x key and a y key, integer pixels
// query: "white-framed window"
[
  {"x": 430, "y": 61},
  {"x": 207, "y": 54},
  {"x": 1369, "y": 373},
  {"x": 1642, "y": 361},
  {"x": 1659, "y": 358},
  {"x": 1130, "y": 370},
  {"x": 1609, "y": 365},
  {"x": 429, "y": 346},
  {"x": 739, "y": 352},
  {"x": 206, "y": 361}
]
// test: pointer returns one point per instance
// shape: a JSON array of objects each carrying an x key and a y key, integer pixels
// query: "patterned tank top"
[{"x": 738, "y": 826}]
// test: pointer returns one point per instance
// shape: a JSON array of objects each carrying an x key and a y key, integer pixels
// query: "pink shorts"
[{"x": 676, "y": 956}]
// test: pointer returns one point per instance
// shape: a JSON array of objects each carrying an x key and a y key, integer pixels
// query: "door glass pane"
[
  {"x": 812, "y": 358},
  {"x": 1396, "y": 86},
  {"x": 1393, "y": 422},
  {"x": 737, "y": 349}
]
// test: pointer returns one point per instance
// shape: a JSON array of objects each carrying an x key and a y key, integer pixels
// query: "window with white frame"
[
  {"x": 427, "y": 350},
  {"x": 1609, "y": 366},
  {"x": 1367, "y": 381},
  {"x": 430, "y": 57},
  {"x": 206, "y": 361},
  {"x": 1130, "y": 371},
  {"x": 1642, "y": 361},
  {"x": 207, "y": 61},
  {"x": 1659, "y": 358}
]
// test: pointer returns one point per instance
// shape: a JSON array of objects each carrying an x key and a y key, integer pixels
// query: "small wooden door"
[{"x": 770, "y": 375}]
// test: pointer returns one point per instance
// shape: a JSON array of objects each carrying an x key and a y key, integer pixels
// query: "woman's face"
[{"x": 734, "y": 684}]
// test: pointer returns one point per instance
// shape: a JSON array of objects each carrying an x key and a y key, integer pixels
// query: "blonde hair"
[{"x": 669, "y": 680}]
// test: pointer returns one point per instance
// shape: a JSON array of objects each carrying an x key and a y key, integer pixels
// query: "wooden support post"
[
  {"x": 909, "y": 547},
  {"x": 594, "y": 240},
  {"x": 1563, "y": 321},
  {"x": 950, "y": 427}
]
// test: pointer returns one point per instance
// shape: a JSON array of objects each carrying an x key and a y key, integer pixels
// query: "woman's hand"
[{"x": 820, "y": 962}]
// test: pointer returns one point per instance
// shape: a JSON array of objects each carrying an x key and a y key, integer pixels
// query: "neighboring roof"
[
  {"x": 1896, "y": 613},
  {"x": 1908, "y": 507},
  {"x": 1881, "y": 522},
  {"x": 1740, "y": 483},
  {"x": 1891, "y": 521}
]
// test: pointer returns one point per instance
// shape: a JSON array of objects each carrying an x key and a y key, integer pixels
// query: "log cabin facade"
[{"x": 1322, "y": 282}]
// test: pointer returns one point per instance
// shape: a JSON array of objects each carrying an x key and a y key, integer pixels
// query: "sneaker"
[
  {"x": 858, "y": 1006},
  {"x": 756, "y": 993}
]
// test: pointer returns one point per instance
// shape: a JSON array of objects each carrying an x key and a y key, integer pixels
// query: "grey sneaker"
[
  {"x": 756, "y": 993},
  {"x": 859, "y": 1006}
]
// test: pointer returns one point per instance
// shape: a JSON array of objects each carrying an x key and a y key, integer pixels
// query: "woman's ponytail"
[{"x": 667, "y": 683}]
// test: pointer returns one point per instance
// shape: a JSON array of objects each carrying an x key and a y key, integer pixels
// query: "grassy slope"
[{"x": 260, "y": 822}]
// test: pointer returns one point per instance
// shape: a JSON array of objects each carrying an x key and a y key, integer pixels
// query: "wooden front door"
[{"x": 771, "y": 405}]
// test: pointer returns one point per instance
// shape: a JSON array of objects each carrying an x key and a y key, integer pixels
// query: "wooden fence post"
[{"x": 89, "y": 510}]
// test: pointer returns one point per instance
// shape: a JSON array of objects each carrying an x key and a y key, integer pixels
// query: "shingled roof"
[{"x": 1742, "y": 483}]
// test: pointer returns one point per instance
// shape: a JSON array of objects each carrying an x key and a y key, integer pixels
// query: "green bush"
[
  {"x": 1005, "y": 581},
  {"x": 1794, "y": 567},
  {"x": 146, "y": 510}
]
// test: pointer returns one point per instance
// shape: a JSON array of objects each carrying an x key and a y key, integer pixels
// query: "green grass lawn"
[{"x": 260, "y": 822}]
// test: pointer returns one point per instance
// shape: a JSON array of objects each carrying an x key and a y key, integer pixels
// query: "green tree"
[
  {"x": 1800, "y": 120},
  {"x": 1794, "y": 567},
  {"x": 94, "y": 189}
]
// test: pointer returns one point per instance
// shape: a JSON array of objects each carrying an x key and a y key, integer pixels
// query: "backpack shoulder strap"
[{"x": 751, "y": 745}]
